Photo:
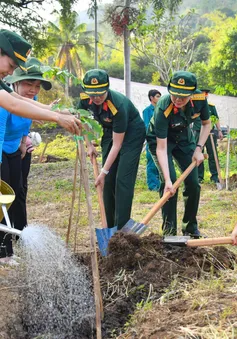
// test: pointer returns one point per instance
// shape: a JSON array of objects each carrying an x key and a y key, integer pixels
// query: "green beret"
[
  {"x": 96, "y": 82},
  {"x": 34, "y": 70},
  {"x": 16, "y": 47},
  {"x": 182, "y": 84}
]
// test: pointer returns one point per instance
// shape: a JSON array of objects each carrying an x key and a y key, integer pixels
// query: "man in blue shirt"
[{"x": 152, "y": 174}]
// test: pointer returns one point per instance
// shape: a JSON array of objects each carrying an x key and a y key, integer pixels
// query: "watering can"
[{"x": 7, "y": 196}]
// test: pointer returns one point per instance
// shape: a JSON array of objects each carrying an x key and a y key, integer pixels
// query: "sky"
[{"x": 82, "y": 5}]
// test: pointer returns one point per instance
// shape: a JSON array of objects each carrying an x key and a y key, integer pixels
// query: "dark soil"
[
  {"x": 51, "y": 158},
  {"x": 233, "y": 182},
  {"x": 138, "y": 267}
]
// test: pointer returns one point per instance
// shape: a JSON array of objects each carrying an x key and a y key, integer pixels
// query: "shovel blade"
[
  {"x": 219, "y": 186},
  {"x": 134, "y": 227},
  {"x": 128, "y": 226},
  {"x": 103, "y": 236},
  {"x": 176, "y": 240}
]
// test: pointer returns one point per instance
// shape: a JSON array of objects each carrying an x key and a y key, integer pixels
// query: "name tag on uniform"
[{"x": 196, "y": 115}]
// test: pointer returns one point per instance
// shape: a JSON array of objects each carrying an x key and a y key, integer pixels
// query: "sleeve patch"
[
  {"x": 196, "y": 115},
  {"x": 112, "y": 108},
  {"x": 84, "y": 96},
  {"x": 200, "y": 96},
  {"x": 168, "y": 110}
]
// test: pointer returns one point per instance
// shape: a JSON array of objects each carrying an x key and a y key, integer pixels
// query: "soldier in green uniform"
[
  {"x": 122, "y": 142},
  {"x": 208, "y": 145},
  {"x": 170, "y": 138}
]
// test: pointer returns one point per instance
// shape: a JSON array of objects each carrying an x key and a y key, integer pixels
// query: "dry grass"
[{"x": 204, "y": 309}]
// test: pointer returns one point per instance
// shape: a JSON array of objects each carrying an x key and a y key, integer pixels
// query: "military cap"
[
  {"x": 95, "y": 82},
  {"x": 34, "y": 70},
  {"x": 16, "y": 47},
  {"x": 182, "y": 84}
]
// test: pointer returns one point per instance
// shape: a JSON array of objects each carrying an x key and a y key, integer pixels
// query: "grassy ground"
[
  {"x": 55, "y": 183},
  {"x": 49, "y": 202}
]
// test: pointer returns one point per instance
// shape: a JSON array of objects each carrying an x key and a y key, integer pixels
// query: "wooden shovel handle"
[
  {"x": 167, "y": 195},
  {"x": 209, "y": 241},
  {"x": 99, "y": 193}
]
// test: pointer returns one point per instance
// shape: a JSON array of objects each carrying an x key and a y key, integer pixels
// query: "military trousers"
[
  {"x": 152, "y": 173},
  {"x": 191, "y": 195},
  {"x": 211, "y": 158},
  {"x": 120, "y": 182},
  {"x": 12, "y": 175}
]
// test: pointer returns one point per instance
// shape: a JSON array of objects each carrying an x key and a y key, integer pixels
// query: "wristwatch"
[
  {"x": 104, "y": 171},
  {"x": 198, "y": 145}
]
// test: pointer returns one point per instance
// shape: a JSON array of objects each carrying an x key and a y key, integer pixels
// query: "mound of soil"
[
  {"x": 142, "y": 268},
  {"x": 52, "y": 158},
  {"x": 48, "y": 158},
  {"x": 233, "y": 182}
]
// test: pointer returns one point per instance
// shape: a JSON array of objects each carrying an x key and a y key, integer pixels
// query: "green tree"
[
  {"x": 201, "y": 48},
  {"x": 123, "y": 15},
  {"x": 168, "y": 47},
  {"x": 200, "y": 69},
  {"x": 66, "y": 41},
  {"x": 222, "y": 65}
]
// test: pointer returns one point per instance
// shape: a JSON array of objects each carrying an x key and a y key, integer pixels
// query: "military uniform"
[
  {"x": 152, "y": 174},
  {"x": 16, "y": 47},
  {"x": 208, "y": 145},
  {"x": 174, "y": 124},
  {"x": 117, "y": 114},
  {"x": 3, "y": 86}
]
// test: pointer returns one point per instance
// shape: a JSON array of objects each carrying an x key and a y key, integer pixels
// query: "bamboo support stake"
[
  {"x": 95, "y": 270},
  {"x": 216, "y": 160},
  {"x": 43, "y": 152},
  {"x": 227, "y": 159},
  {"x": 73, "y": 198},
  {"x": 78, "y": 212}
]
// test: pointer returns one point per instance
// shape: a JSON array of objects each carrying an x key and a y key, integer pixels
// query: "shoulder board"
[
  {"x": 168, "y": 110},
  {"x": 198, "y": 96},
  {"x": 84, "y": 96},
  {"x": 112, "y": 108},
  {"x": 211, "y": 104}
]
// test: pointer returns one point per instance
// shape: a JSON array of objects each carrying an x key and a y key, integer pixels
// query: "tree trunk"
[
  {"x": 127, "y": 66},
  {"x": 67, "y": 78},
  {"x": 96, "y": 36}
]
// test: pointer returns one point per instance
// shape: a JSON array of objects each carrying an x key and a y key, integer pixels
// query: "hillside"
[{"x": 204, "y": 6}]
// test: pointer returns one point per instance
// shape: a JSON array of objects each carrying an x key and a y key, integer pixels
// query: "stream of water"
[{"x": 56, "y": 296}]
